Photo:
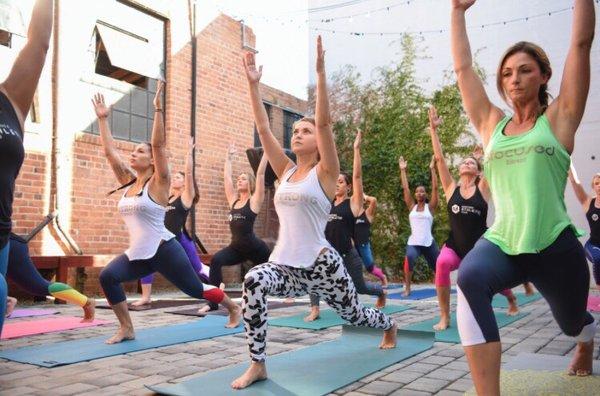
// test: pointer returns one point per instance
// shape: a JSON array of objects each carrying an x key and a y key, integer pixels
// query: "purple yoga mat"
[{"x": 23, "y": 313}]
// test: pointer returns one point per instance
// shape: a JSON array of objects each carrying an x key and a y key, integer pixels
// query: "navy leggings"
[
  {"x": 593, "y": 254},
  {"x": 3, "y": 286},
  {"x": 22, "y": 271},
  {"x": 170, "y": 260},
  {"x": 560, "y": 272},
  {"x": 430, "y": 253}
]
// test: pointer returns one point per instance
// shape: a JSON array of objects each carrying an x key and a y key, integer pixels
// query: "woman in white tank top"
[
  {"x": 303, "y": 261},
  {"x": 420, "y": 241},
  {"x": 152, "y": 248}
]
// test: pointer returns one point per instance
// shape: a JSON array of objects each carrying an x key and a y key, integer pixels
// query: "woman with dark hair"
[
  {"x": 339, "y": 231},
  {"x": 152, "y": 247},
  {"x": 183, "y": 195},
  {"x": 527, "y": 157},
  {"x": 467, "y": 213},
  {"x": 16, "y": 96},
  {"x": 362, "y": 237},
  {"x": 421, "y": 211},
  {"x": 591, "y": 207},
  {"x": 302, "y": 261},
  {"x": 244, "y": 201}
]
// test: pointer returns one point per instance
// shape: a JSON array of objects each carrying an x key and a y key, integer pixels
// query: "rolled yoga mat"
[
  {"x": 315, "y": 370},
  {"x": 33, "y": 327},
  {"x": 418, "y": 294},
  {"x": 224, "y": 312},
  {"x": 499, "y": 301},
  {"x": 29, "y": 312},
  {"x": 328, "y": 318},
  {"x": 68, "y": 352},
  {"x": 538, "y": 374},
  {"x": 451, "y": 333}
]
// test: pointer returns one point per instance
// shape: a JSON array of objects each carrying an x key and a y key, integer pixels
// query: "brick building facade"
[{"x": 118, "y": 48}]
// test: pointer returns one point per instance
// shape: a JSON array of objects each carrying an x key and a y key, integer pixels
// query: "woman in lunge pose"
[
  {"x": 302, "y": 261},
  {"x": 152, "y": 248},
  {"x": 527, "y": 157},
  {"x": 362, "y": 237}
]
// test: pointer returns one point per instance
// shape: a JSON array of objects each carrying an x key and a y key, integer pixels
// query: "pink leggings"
[{"x": 449, "y": 261}]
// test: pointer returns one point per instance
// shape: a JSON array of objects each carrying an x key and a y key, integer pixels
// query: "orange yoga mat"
[{"x": 31, "y": 327}]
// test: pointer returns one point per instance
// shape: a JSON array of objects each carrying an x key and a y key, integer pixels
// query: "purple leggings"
[{"x": 190, "y": 250}]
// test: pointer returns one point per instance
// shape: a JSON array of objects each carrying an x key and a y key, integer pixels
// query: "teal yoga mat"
[
  {"x": 328, "y": 318},
  {"x": 417, "y": 294},
  {"x": 315, "y": 370},
  {"x": 500, "y": 301},
  {"x": 451, "y": 333},
  {"x": 68, "y": 352}
]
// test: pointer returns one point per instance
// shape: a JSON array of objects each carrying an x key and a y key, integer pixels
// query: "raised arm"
[
  {"x": 123, "y": 173},
  {"x": 408, "y": 199},
  {"x": 256, "y": 200},
  {"x": 482, "y": 113},
  {"x": 161, "y": 175},
  {"x": 372, "y": 208},
  {"x": 448, "y": 183},
  {"x": 356, "y": 201},
  {"x": 230, "y": 193},
  {"x": 189, "y": 191},
  {"x": 582, "y": 196},
  {"x": 566, "y": 111},
  {"x": 435, "y": 197},
  {"x": 329, "y": 165},
  {"x": 22, "y": 81},
  {"x": 279, "y": 161}
]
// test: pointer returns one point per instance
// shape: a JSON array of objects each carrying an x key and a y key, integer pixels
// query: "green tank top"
[{"x": 527, "y": 175}]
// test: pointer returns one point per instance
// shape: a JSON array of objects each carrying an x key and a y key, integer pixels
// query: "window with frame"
[
  {"x": 289, "y": 118},
  {"x": 11, "y": 22},
  {"x": 268, "y": 108}
]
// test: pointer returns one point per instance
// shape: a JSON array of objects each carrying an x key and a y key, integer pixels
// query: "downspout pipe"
[{"x": 55, "y": 149}]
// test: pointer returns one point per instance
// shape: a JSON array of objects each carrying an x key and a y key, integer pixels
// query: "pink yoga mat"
[
  {"x": 24, "y": 313},
  {"x": 31, "y": 327},
  {"x": 594, "y": 303}
]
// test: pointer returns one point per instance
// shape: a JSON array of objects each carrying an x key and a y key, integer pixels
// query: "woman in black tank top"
[
  {"x": 244, "y": 200},
  {"x": 16, "y": 96},
  {"x": 183, "y": 195},
  {"x": 340, "y": 230},
  {"x": 591, "y": 207},
  {"x": 362, "y": 238},
  {"x": 467, "y": 213}
]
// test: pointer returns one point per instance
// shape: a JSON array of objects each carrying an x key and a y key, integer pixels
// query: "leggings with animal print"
[{"x": 328, "y": 278}]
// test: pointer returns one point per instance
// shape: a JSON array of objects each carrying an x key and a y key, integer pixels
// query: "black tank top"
[
  {"x": 593, "y": 218},
  {"x": 467, "y": 221},
  {"x": 340, "y": 227},
  {"x": 241, "y": 223},
  {"x": 362, "y": 229},
  {"x": 176, "y": 216},
  {"x": 12, "y": 155}
]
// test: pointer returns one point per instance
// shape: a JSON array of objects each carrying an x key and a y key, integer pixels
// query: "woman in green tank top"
[{"x": 527, "y": 157}]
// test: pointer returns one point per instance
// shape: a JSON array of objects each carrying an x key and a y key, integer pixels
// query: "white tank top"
[
  {"x": 303, "y": 210},
  {"x": 420, "y": 227},
  {"x": 145, "y": 221}
]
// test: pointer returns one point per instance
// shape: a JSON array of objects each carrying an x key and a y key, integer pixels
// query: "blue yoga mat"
[
  {"x": 394, "y": 286},
  {"x": 69, "y": 352},
  {"x": 315, "y": 370},
  {"x": 418, "y": 294}
]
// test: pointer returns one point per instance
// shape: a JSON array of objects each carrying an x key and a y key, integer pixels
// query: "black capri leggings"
[{"x": 559, "y": 272}]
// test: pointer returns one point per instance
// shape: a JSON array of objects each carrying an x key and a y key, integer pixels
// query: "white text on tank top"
[
  {"x": 303, "y": 210},
  {"x": 145, "y": 221},
  {"x": 420, "y": 227}
]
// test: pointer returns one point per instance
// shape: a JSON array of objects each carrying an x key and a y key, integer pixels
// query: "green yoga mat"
[
  {"x": 451, "y": 333},
  {"x": 67, "y": 352},
  {"x": 315, "y": 370},
  {"x": 500, "y": 301},
  {"x": 328, "y": 318}
]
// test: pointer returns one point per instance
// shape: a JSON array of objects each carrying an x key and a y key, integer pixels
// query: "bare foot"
[
  {"x": 141, "y": 302},
  {"x": 406, "y": 292},
  {"x": 11, "y": 303},
  {"x": 222, "y": 286},
  {"x": 513, "y": 308},
  {"x": 313, "y": 315},
  {"x": 443, "y": 324},
  {"x": 384, "y": 282},
  {"x": 381, "y": 300},
  {"x": 123, "y": 334},
  {"x": 389, "y": 338},
  {"x": 256, "y": 372},
  {"x": 204, "y": 309},
  {"x": 235, "y": 316},
  {"x": 582, "y": 362},
  {"x": 528, "y": 289},
  {"x": 89, "y": 310},
  {"x": 289, "y": 300}
]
